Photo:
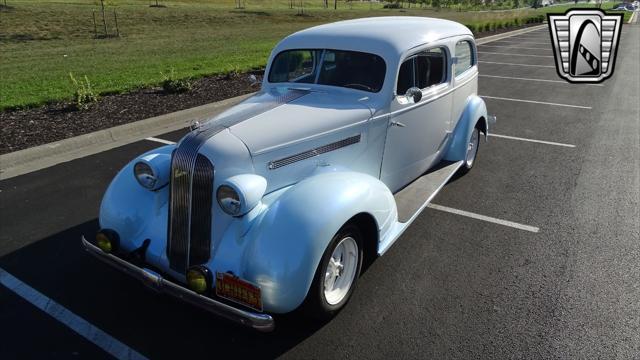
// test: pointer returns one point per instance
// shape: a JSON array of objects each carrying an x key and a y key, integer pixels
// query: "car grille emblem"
[{"x": 585, "y": 43}]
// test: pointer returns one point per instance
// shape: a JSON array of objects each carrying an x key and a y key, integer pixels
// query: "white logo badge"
[{"x": 585, "y": 42}]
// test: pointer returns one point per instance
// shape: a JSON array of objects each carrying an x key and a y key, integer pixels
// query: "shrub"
[
  {"x": 392, "y": 6},
  {"x": 83, "y": 95},
  {"x": 173, "y": 85},
  {"x": 487, "y": 27},
  {"x": 471, "y": 27}
]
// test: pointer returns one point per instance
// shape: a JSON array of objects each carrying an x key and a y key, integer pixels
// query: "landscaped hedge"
[{"x": 493, "y": 25}]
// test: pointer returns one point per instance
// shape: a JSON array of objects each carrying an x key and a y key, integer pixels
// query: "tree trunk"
[{"x": 104, "y": 19}]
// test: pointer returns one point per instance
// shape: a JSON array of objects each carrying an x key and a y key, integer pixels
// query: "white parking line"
[
  {"x": 515, "y": 47},
  {"x": 512, "y": 224},
  {"x": 531, "y": 79},
  {"x": 501, "y": 63},
  {"x": 510, "y": 54},
  {"x": 531, "y": 140},
  {"x": 71, "y": 320},
  {"x": 163, "y": 141},
  {"x": 526, "y": 42},
  {"x": 537, "y": 102}
]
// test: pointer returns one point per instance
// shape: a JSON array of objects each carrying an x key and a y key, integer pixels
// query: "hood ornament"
[{"x": 195, "y": 125}]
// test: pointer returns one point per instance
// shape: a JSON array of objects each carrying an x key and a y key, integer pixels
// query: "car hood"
[{"x": 275, "y": 119}]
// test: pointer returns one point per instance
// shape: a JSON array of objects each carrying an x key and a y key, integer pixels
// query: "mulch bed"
[{"x": 26, "y": 128}]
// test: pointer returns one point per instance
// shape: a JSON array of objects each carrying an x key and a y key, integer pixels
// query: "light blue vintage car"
[{"x": 278, "y": 201}]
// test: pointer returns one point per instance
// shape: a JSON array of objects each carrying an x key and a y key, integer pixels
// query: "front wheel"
[
  {"x": 472, "y": 151},
  {"x": 337, "y": 274}
]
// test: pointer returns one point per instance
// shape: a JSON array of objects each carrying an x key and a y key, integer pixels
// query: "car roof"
[{"x": 388, "y": 36}]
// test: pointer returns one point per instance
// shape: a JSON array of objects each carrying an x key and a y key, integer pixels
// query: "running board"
[{"x": 413, "y": 198}]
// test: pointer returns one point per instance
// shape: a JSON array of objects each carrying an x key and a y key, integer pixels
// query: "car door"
[
  {"x": 465, "y": 77},
  {"x": 417, "y": 130}
]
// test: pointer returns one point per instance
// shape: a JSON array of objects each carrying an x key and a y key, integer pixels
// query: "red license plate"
[{"x": 237, "y": 290}]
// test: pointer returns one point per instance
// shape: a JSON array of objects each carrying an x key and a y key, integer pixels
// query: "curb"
[
  {"x": 43, "y": 156},
  {"x": 40, "y": 157}
]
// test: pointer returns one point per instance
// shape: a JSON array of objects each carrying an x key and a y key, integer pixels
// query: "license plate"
[{"x": 237, "y": 290}]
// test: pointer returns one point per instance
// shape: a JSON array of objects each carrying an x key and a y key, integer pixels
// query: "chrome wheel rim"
[
  {"x": 472, "y": 148},
  {"x": 341, "y": 271}
]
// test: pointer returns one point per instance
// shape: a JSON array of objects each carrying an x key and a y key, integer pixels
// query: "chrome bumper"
[{"x": 258, "y": 321}]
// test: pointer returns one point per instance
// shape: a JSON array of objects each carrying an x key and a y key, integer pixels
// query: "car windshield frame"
[{"x": 323, "y": 62}]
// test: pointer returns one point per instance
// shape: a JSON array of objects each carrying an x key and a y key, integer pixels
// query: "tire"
[
  {"x": 471, "y": 156},
  {"x": 324, "y": 300}
]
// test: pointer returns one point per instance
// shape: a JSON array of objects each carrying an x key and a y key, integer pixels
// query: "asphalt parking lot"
[{"x": 533, "y": 254}]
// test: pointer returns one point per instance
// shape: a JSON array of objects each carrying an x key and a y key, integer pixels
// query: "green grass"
[{"x": 41, "y": 42}]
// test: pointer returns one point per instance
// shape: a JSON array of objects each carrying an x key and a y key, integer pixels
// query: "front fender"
[
  {"x": 285, "y": 247},
  {"x": 475, "y": 110},
  {"x": 130, "y": 209}
]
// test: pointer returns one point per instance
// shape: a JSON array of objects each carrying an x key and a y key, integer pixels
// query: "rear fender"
[{"x": 475, "y": 113}]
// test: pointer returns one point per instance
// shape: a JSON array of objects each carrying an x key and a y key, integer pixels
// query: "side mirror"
[
  {"x": 414, "y": 95},
  {"x": 253, "y": 80}
]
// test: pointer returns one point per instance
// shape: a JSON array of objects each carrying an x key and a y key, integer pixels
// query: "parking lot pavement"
[{"x": 453, "y": 286}]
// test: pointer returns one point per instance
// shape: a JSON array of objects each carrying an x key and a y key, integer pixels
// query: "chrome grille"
[{"x": 190, "y": 200}]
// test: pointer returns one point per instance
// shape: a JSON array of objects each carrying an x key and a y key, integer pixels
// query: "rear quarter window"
[{"x": 465, "y": 55}]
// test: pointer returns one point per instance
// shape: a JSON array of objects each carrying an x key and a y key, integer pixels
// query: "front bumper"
[{"x": 258, "y": 321}]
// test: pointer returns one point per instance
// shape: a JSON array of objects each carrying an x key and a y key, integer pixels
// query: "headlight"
[
  {"x": 239, "y": 194},
  {"x": 145, "y": 175},
  {"x": 229, "y": 200},
  {"x": 152, "y": 170}
]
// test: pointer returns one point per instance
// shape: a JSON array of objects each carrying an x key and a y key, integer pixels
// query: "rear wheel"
[
  {"x": 337, "y": 274},
  {"x": 472, "y": 151}
]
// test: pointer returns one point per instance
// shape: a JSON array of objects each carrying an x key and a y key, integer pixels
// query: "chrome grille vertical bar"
[{"x": 201, "y": 201}]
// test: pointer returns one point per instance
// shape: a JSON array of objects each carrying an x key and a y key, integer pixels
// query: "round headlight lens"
[
  {"x": 145, "y": 175},
  {"x": 229, "y": 200}
]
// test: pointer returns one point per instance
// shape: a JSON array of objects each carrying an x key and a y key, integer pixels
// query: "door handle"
[{"x": 397, "y": 123}]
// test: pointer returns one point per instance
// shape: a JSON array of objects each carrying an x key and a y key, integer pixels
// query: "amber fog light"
[
  {"x": 199, "y": 279},
  {"x": 107, "y": 240}
]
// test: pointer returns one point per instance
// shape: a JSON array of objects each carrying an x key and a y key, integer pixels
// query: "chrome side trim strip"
[{"x": 313, "y": 152}]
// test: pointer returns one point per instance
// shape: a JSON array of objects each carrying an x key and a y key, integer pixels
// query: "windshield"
[{"x": 350, "y": 69}]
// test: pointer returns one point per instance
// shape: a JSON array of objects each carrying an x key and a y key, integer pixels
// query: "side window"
[
  {"x": 294, "y": 65},
  {"x": 405, "y": 77},
  {"x": 431, "y": 68},
  {"x": 464, "y": 53},
  {"x": 425, "y": 69}
]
